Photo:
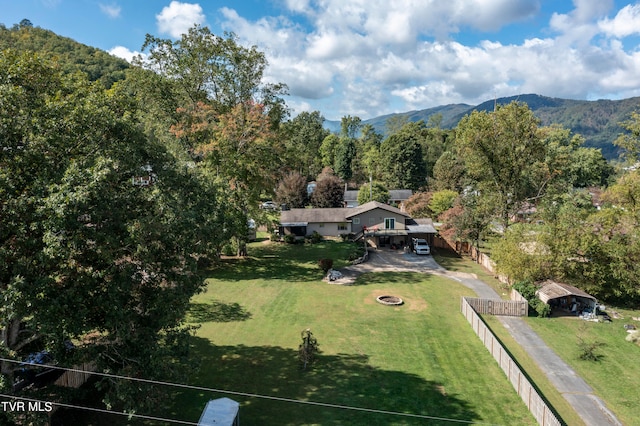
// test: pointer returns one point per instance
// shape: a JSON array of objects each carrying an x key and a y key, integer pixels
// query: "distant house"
[
  {"x": 396, "y": 197},
  {"x": 381, "y": 223}
]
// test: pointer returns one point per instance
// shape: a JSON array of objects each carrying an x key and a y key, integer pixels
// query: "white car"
[{"x": 420, "y": 246}]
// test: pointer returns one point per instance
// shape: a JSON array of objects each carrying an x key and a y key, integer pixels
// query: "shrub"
[
  {"x": 325, "y": 264},
  {"x": 307, "y": 349},
  {"x": 290, "y": 239},
  {"x": 315, "y": 237},
  {"x": 528, "y": 291}
]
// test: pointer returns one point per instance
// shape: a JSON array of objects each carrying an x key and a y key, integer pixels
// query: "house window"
[
  {"x": 389, "y": 223},
  {"x": 356, "y": 221},
  {"x": 342, "y": 227}
]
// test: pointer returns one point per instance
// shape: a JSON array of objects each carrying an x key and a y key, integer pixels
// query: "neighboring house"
[
  {"x": 396, "y": 197},
  {"x": 384, "y": 225}
]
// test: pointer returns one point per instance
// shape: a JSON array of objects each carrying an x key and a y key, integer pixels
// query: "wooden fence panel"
[
  {"x": 76, "y": 378},
  {"x": 534, "y": 402},
  {"x": 499, "y": 307}
]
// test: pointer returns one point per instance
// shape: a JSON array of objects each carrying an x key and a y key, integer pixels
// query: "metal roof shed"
[
  {"x": 220, "y": 412},
  {"x": 553, "y": 290}
]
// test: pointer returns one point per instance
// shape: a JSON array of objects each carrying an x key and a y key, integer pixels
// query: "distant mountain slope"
[
  {"x": 70, "y": 55},
  {"x": 597, "y": 121}
]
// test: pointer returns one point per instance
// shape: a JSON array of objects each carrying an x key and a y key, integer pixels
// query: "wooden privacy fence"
[
  {"x": 532, "y": 399},
  {"x": 76, "y": 377},
  {"x": 499, "y": 307}
]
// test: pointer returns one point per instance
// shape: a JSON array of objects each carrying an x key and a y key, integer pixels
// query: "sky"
[{"x": 368, "y": 58}]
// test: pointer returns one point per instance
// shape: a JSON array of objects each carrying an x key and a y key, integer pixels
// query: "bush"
[
  {"x": 290, "y": 239},
  {"x": 315, "y": 237},
  {"x": 325, "y": 264},
  {"x": 528, "y": 291}
]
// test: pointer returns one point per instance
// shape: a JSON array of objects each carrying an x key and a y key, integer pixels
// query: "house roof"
[
  {"x": 400, "y": 194},
  {"x": 372, "y": 205},
  {"x": 421, "y": 226},
  {"x": 301, "y": 217},
  {"x": 304, "y": 216},
  {"x": 552, "y": 290},
  {"x": 394, "y": 194}
]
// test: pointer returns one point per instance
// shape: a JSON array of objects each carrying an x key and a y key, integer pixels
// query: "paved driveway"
[{"x": 573, "y": 388}]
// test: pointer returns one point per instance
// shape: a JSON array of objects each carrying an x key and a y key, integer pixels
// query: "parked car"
[
  {"x": 420, "y": 246},
  {"x": 269, "y": 205}
]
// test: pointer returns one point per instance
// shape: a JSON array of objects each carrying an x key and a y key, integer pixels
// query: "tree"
[
  {"x": 630, "y": 142},
  {"x": 329, "y": 191},
  {"x": 441, "y": 201},
  {"x": 374, "y": 191},
  {"x": 229, "y": 116},
  {"x": 344, "y": 154},
  {"x": 308, "y": 348},
  {"x": 418, "y": 204},
  {"x": 501, "y": 150},
  {"x": 328, "y": 150},
  {"x": 83, "y": 250},
  {"x": 304, "y": 137},
  {"x": 448, "y": 172},
  {"x": 292, "y": 190},
  {"x": 404, "y": 165}
]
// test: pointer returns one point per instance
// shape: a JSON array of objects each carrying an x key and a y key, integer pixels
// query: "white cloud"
[
  {"x": 177, "y": 18},
  {"x": 111, "y": 10},
  {"x": 124, "y": 53},
  {"x": 368, "y": 57},
  {"x": 625, "y": 23}
]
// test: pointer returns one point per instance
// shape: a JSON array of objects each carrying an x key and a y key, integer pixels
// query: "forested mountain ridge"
[
  {"x": 598, "y": 121},
  {"x": 70, "y": 55}
]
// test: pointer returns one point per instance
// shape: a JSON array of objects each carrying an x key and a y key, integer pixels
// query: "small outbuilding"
[{"x": 566, "y": 298}]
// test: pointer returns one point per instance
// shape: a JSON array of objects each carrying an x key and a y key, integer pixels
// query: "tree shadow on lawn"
[
  {"x": 291, "y": 262},
  {"x": 342, "y": 379},
  {"x": 389, "y": 277},
  {"x": 216, "y": 311}
]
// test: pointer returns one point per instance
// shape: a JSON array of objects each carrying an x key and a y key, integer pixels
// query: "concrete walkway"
[{"x": 573, "y": 388}]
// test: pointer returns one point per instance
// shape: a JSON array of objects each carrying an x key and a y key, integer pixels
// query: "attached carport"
[{"x": 567, "y": 298}]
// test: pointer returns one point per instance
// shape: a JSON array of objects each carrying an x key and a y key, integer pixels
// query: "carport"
[{"x": 566, "y": 298}]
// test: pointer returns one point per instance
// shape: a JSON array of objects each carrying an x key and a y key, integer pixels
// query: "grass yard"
[
  {"x": 614, "y": 377},
  {"x": 421, "y": 358}
]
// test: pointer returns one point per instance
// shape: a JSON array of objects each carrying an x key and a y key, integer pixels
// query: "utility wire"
[{"x": 251, "y": 395}]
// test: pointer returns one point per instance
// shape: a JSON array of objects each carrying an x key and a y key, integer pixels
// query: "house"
[{"x": 379, "y": 223}]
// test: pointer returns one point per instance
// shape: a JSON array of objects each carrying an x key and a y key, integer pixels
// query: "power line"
[
  {"x": 252, "y": 395},
  {"x": 99, "y": 410}
]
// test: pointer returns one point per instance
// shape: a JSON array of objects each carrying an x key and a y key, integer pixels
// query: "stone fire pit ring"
[{"x": 389, "y": 300}]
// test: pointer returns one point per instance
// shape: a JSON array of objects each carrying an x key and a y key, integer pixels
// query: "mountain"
[
  {"x": 70, "y": 55},
  {"x": 597, "y": 121}
]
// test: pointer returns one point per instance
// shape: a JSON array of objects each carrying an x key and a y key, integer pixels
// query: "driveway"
[{"x": 573, "y": 388}]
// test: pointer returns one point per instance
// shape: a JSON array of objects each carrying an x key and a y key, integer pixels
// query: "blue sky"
[{"x": 375, "y": 57}]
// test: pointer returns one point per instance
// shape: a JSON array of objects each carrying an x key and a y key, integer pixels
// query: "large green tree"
[
  {"x": 229, "y": 117},
  {"x": 502, "y": 150},
  {"x": 403, "y": 159},
  {"x": 304, "y": 135},
  {"x": 83, "y": 250}
]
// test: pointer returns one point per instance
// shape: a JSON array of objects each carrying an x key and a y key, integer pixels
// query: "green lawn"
[
  {"x": 421, "y": 358},
  {"x": 614, "y": 377}
]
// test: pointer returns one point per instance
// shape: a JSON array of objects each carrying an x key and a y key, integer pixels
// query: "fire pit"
[{"x": 389, "y": 300}]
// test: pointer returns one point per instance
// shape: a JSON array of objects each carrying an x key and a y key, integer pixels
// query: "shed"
[
  {"x": 221, "y": 411},
  {"x": 565, "y": 296}
]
